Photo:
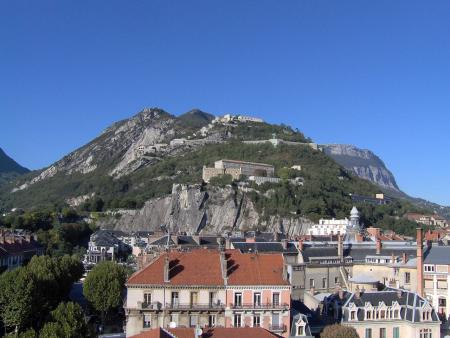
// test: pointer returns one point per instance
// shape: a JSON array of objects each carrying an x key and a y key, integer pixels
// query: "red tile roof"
[
  {"x": 203, "y": 267},
  {"x": 197, "y": 267},
  {"x": 219, "y": 332},
  {"x": 255, "y": 269}
]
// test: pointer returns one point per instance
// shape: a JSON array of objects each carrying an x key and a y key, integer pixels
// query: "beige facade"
[
  {"x": 154, "y": 306},
  {"x": 404, "y": 329},
  {"x": 209, "y": 173}
]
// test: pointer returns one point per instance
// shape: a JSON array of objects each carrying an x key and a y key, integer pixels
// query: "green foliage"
[
  {"x": 51, "y": 330},
  {"x": 104, "y": 285},
  {"x": 25, "y": 334},
  {"x": 339, "y": 331},
  {"x": 28, "y": 294},
  {"x": 67, "y": 321},
  {"x": 288, "y": 173},
  {"x": 16, "y": 294},
  {"x": 221, "y": 180}
]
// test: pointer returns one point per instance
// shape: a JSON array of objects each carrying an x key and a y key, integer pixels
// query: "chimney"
[
  {"x": 419, "y": 262},
  {"x": 404, "y": 258},
  {"x": 196, "y": 239},
  {"x": 175, "y": 239},
  {"x": 227, "y": 243},
  {"x": 399, "y": 293},
  {"x": 300, "y": 245},
  {"x": 284, "y": 243},
  {"x": 340, "y": 248},
  {"x": 276, "y": 236},
  {"x": 224, "y": 266},
  {"x": 166, "y": 269},
  {"x": 357, "y": 293},
  {"x": 378, "y": 246}
]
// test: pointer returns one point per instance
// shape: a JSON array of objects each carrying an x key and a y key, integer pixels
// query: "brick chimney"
[
  {"x": 404, "y": 258},
  {"x": 166, "y": 269},
  {"x": 340, "y": 248},
  {"x": 224, "y": 267},
  {"x": 357, "y": 293},
  {"x": 227, "y": 243},
  {"x": 378, "y": 246},
  {"x": 420, "y": 262},
  {"x": 300, "y": 245}
]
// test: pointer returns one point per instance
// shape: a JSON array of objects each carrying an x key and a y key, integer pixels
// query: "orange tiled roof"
[
  {"x": 238, "y": 332},
  {"x": 197, "y": 267},
  {"x": 219, "y": 332},
  {"x": 255, "y": 269}
]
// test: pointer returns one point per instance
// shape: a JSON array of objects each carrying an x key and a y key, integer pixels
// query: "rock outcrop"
[
  {"x": 192, "y": 210},
  {"x": 363, "y": 163}
]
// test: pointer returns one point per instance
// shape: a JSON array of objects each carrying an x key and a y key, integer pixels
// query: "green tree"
[
  {"x": 16, "y": 295},
  {"x": 104, "y": 285},
  {"x": 69, "y": 320},
  {"x": 51, "y": 330},
  {"x": 339, "y": 331},
  {"x": 221, "y": 180}
]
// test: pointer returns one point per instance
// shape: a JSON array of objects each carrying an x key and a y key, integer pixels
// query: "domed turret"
[{"x": 354, "y": 217}]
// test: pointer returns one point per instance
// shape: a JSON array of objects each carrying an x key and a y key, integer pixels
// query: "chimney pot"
[
  {"x": 284, "y": 243},
  {"x": 166, "y": 269},
  {"x": 378, "y": 246},
  {"x": 300, "y": 245}
]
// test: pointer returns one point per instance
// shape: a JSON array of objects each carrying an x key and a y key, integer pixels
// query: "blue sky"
[{"x": 371, "y": 73}]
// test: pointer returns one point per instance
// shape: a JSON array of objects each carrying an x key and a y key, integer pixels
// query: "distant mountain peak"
[
  {"x": 8, "y": 165},
  {"x": 363, "y": 163}
]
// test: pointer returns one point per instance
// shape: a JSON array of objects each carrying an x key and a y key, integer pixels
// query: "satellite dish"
[
  {"x": 198, "y": 332},
  {"x": 172, "y": 325}
]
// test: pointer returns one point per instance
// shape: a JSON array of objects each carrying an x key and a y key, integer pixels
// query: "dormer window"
[
  {"x": 300, "y": 328},
  {"x": 353, "y": 310}
]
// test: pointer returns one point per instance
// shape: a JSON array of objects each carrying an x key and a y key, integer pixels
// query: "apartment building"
[
  {"x": 210, "y": 288},
  {"x": 17, "y": 248},
  {"x": 390, "y": 314}
]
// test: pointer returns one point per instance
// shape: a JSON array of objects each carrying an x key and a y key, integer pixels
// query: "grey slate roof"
[
  {"x": 438, "y": 255},
  {"x": 410, "y": 302},
  {"x": 265, "y": 247}
]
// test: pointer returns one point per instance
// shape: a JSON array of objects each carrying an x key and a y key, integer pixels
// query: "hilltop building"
[{"x": 238, "y": 168}]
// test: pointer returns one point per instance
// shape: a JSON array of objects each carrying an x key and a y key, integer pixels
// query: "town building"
[
  {"x": 106, "y": 245},
  {"x": 328, "y": 227},
  {"x": 237, "y": 169},
  {"x": 217, "y": 332},
  {"x": 17, "y": 248},
  {"x": 433, "y": 220},
  {"x": 390, "y": 313},
  {"x": 210, "y": 288}
]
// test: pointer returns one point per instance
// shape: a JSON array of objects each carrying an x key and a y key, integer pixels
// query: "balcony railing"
[
  {"x": 277, "y": 328},
  {"x": 262, "y": 306},
  {"x": 195, "y": 306}
]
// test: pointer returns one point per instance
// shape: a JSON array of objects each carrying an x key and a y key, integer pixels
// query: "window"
[
  {"x": 324, "y": 283},
  {"x": 147, "y": 298},
  {"x": 368, "y": 314},
  {"x": 425, "y": 333},
  {"x": 407, "y": 277},
  {"x": 382, "y": 332},
  {"x": 193, "y": 320},
  {"x": 276, "y": 299},
  {"x": 256, "y": 321},
  {"x": 257, "y": 299},
  {"x": 237, "y": 320},
  {"x": 311, "y": 283},
  {"x": 147, "y": 321},
  {"x": 174, "y": 318},
  {"x": 352, "y": 315},
  {"x": 212, "y": 297},
  {"x": 300, "y": 330},
  {"x": 382, "y": 314},
  {"x": 396, "y": 332},
  {"x": 396, "y": 314},
  {"x": 175, "y": 299},
  {"x": 368, "y": 333},
  {"x": 212, "y": 320},
  {"x": 238, "y": 299},
  {"x": 428, "y": 268},
  {"x": 442, "y": 302},
  {"x": 194, "y": 298},
  {"x": 336, "y": 280}
]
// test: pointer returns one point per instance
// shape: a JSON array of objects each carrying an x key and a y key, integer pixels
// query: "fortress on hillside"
[{"x": 237, "y": 168}]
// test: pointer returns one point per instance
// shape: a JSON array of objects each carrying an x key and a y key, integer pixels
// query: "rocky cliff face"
[
  {"x": 191, "y": 209},
  {"x": 9, "y": 169},
  {"x": 363, "y": 163}
]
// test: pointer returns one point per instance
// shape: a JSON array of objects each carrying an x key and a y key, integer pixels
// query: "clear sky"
[{"x": 371, "y": 73}]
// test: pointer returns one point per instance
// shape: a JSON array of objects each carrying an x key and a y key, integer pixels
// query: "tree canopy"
[{"x": 339, "y": 331}]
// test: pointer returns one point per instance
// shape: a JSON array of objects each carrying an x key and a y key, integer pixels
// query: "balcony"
[
  {"x": 265, "y": 306},
  {"x": 195, "y": 306},
  {"x": 277, "y": 328},
  {"x": 149, "y": 306}
]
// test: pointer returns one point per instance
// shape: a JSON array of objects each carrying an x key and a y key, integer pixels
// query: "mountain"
[
  {"x": 146, "y": 171},
  {"x": 9, "y": 169},
  {"x": 363, "y": 163}
]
